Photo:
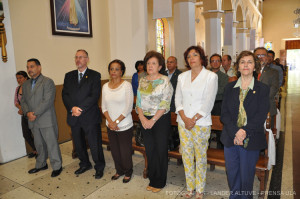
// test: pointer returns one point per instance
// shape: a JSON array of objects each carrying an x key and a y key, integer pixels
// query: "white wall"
[
  {"x": 128, "y": 31},
  {"x": 12, "y": 144},
  {"x": 32, "y": 33}
]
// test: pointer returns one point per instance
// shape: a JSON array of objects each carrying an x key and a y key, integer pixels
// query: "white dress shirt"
[{"x": 197, "y": 96}]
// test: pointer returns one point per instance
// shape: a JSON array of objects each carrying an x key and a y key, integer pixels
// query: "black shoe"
[
  {"x": 126, "y": 180},
  {"x": 35, "y": 170},
  {"x": 99, "y": 174},
  {"x": 31, "y": 155},
  {"x": 82, "y": 170},
  {"x": 56, "y": 172},
  {"x": 115, "y": 177}
]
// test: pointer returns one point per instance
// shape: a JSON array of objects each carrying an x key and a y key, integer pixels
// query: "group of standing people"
[{"x": 244, "y": 109}]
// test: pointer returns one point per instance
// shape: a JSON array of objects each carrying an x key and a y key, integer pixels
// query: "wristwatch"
[{"x": 117, "y": 121}]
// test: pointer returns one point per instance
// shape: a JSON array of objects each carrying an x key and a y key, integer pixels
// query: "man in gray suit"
[
  {"x": 38, "y": 105},
  {"x": 270, "y": 77},
  {"x": 271, "y": 55}
]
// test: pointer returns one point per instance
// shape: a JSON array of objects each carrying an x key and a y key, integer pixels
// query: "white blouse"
[
  {"x": 197, "y": 96},
  {"x": 118, "y": 101}
]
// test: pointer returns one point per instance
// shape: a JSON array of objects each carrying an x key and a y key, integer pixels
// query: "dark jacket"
[
  {"x": 270, "y": 77},
  {"x": 173, "y": 81},
  {"x": 256, "y": 105},
  {"x": 84, "y": 95}
]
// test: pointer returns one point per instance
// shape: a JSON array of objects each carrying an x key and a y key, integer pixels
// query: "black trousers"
[
  {"x": 120, "y": 143},
  {"x": 94, "y": 137},
  {"x": 27, "y": 134},
  {"x": 156, "y": 145}
]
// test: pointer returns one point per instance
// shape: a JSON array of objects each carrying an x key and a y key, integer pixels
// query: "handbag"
[{"x": 138, "y": 135}]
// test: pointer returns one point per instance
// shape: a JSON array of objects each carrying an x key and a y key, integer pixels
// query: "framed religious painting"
[{"x": 71, "y": 18}]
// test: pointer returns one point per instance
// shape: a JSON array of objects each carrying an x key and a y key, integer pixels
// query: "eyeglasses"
[
  {"x": 215, "y": 61},
  {"x": 248, "y": 62},
  {"x": 260, "y": 55},
  {"x": 80, "y": 57}
]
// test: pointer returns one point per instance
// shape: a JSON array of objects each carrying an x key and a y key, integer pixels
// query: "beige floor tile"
[
  {"x": 66, "y": 148},
  {"x": 137, "y": 158},
  {"x": 7, "y": 185},
  {"x": 136, "y": 188},
  {"x": 18, "y": 170},
  {"x": 22, "y": 192},
  {"x": 69, "y": 185}
]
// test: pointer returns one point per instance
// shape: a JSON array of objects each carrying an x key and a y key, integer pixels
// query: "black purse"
[{"x": 138, "y": 135}]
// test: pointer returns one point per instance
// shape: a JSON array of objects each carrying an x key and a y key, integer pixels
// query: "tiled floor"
[{"x": 15, "y": 182}]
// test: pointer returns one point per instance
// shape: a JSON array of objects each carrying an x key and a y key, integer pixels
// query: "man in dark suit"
[
  {"x": 38, "y": 105},
  {"x": 270, "y": 77},
  {"x": 173, "y": 73},
  {"x": 81, "y": 92}
]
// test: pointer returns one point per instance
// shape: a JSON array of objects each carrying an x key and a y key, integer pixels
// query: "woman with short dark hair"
[
  {"x": 244, "y": 111},
  {"x": 140, "y": 72},
  {"x": 194, "y": 99},
  {"x": 117, "y": 101},
  {"x": 27, "y": 134},
  {"x": 153, "y": 106}
]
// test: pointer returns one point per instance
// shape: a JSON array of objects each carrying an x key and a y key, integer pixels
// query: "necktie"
[
  {"x": 80, "y": 77},
  {"x": 33, "y": 83}
]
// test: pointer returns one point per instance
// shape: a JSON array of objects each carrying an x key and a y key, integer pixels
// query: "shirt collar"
[
  {"x": 35, "y": 80},
  {"x": 239, "y": 83},
  {"x": 82, "y": 71}
]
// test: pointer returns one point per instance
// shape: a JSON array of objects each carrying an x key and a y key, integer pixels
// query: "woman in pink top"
[{"x": 21, "y": 78}]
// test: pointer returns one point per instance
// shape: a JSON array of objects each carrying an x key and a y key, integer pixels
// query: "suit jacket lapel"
[
  {"x": 84, "y": 78},
  {"x": 263, "y": 74},
  {"x": 37, "y": 84},
  {"x": 251, "y": 94},
  {"x": 236, "y": 92}
]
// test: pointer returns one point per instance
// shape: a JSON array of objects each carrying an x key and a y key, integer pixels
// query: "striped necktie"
[{"x": 80, "y": 77}]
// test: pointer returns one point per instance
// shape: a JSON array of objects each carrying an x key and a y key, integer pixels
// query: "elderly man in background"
[
  {"x": 226, "y": 66},
  {"x": 270, "y": 56},
  {"x": 172, "y": 72},
  {"x": 270, "y": 77}
]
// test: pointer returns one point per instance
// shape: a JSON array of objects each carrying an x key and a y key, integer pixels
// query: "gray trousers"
[{"x": 45, "y": 141}]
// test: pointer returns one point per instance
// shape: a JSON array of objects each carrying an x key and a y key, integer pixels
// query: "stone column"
[
  {"x": 12, "y": 143},
  {"x": 184, "y": 29},
  {"x": 231, "y": 49},
  {"x": 128, "y": 31},
  {"x": 241, "y": 40},
  {"x": 213, "y": 31}
]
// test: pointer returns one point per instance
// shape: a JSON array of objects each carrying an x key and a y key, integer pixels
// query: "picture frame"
[{"x": 71, "y": 18}]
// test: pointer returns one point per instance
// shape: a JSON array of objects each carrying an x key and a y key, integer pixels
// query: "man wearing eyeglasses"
[
  {"x": 81, "y": 92},
  {"x": 270, "y": 77}
]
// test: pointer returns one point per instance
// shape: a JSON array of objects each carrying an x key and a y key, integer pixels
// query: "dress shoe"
[
  {"x": 199, "y": 195},
  {"x": 31, "y": 155},
  {"x": 115, "y": 177},
  {"x": 98, "y": 174},
  {"x": 155, "y": 190},
  {"x": 149, "y": 188},
  {"x": 35, "y": 170},
  {"x": 56, "y": 172},
  {"x": 82, "y": 170},
  {"x": 126, "y": 179}
]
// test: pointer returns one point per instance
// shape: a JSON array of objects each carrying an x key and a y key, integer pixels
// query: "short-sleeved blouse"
[{"x": 153, "y": 95}]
